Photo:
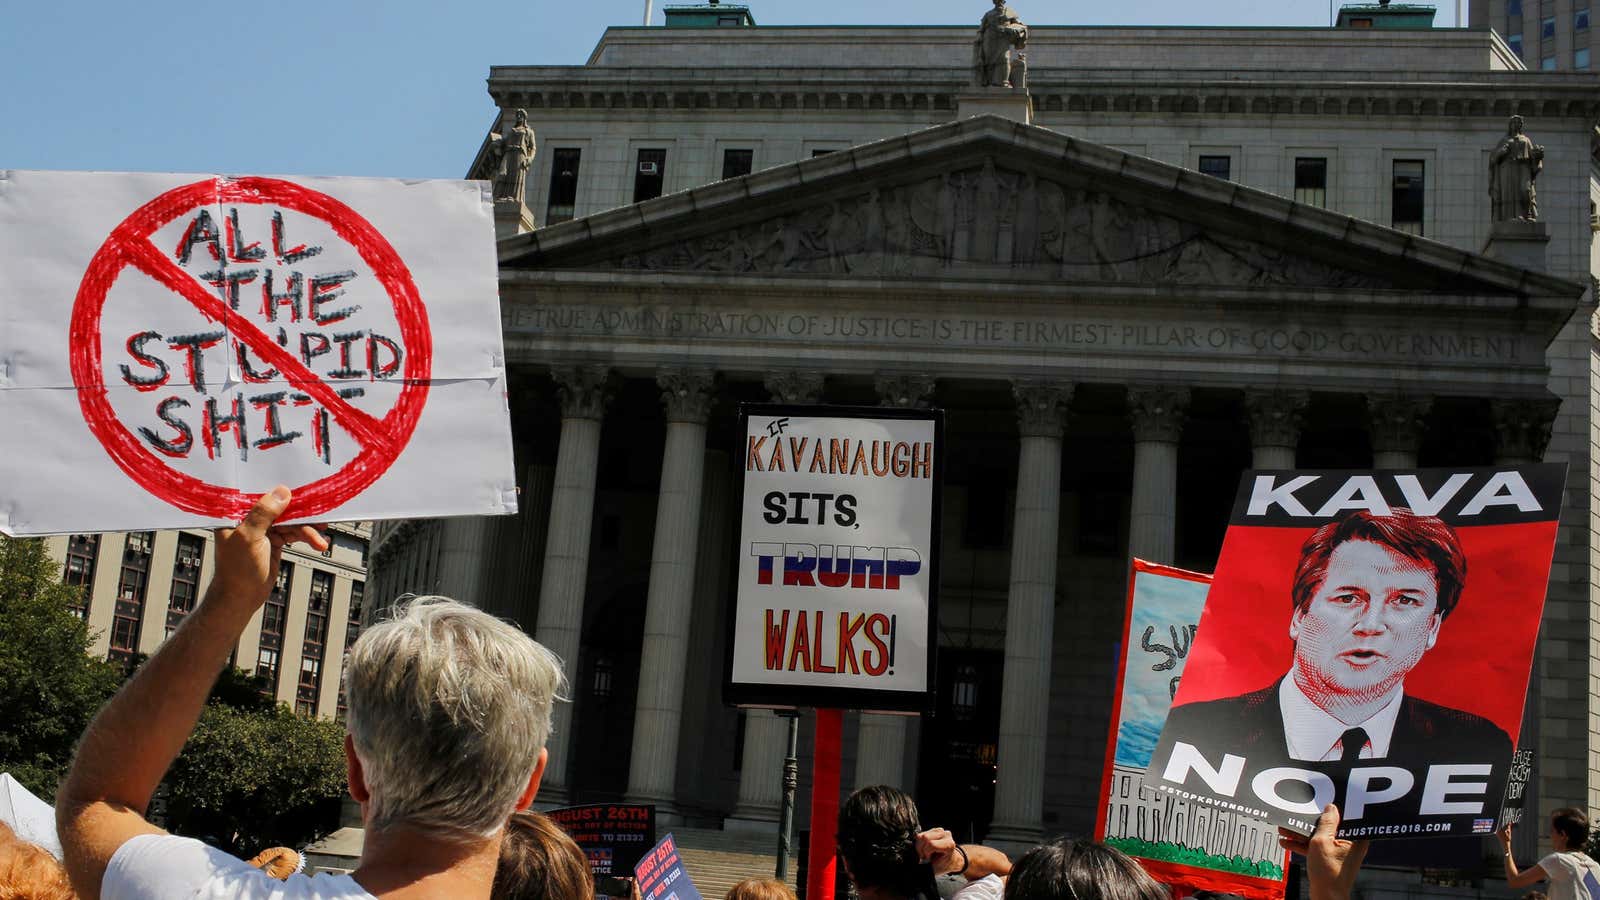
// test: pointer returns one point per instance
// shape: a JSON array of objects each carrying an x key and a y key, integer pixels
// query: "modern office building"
[
  {"x": 1183, "y": 252},
  {"x": 1547, "y": 35},
  {"x": 138, "y": 586}
]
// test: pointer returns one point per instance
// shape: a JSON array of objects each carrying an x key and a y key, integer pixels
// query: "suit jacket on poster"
[{"x": 1251, "y": 726}]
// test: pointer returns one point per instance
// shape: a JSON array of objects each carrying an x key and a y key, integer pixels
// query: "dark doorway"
[
  {"x": 956, "y": 778},
  {"x": 603, "y": 699}
]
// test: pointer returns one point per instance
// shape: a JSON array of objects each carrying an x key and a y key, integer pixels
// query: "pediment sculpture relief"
[{"x": 990, "y": 220}]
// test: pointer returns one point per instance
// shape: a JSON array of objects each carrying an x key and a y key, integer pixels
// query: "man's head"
[
  {"x": 449, "y": 709},
  {"x": 1370, "y": 594},
  {"x": 1079, "y": 869},
  {"x": 877, "y": 838},
  {"x": 539, "y": 861}
]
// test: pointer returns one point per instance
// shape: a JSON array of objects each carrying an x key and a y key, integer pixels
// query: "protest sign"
[
  {"x": 1516, "y": 799},
  {"x": 660, "y": 874},
  {"x": 1178, "y": 842},
  {"x": 173, "y": 345},
  {"x": 1367, "y": 640},
  {"x": 838, "y": 558},
  {"x": 614, "y": 836}
]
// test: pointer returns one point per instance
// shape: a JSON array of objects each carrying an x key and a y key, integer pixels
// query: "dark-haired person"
[
  {"x": 539, "y": 861},
  {"x": 1570, "y": 871},
  {"x": 888, "y": 856},
  {"x": 1082, "y": 870},
  {"x": 1370, "y": 595}
]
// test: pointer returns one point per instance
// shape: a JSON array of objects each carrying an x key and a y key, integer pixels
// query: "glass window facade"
[
  {"x": 185, "y": 580},
  {"x": 1408, "y": 195},
  {"x": 1217, "y": 167},
  {"x": 649, "y": 175},
  {"x": 737, "y": 162},
  {"x": 132, "y": 583},
  {"x": 83, "y": 551},
  {"x": 1311, "y": 180},
  {"x": 564, "y": 163}
]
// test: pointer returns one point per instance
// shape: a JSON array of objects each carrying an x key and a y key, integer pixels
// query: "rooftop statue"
[
  {"x": 1513, "y": 167},
  {"x": 999, "y": 33},
  {"x": 510, "y": 155}
]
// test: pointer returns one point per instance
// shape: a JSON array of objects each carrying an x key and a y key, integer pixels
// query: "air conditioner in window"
[{"x": 649, "y": 168}]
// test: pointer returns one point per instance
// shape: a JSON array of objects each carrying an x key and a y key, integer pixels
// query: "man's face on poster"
[{"x": 1367, "y": 624}]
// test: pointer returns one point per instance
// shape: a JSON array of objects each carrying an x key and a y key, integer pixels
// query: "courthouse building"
[
  {"x": 1212, "y": 248},
  {"x": 138, "y": 586}
]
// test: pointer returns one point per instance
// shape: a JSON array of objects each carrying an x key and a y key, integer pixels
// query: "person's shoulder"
[
  {"x": 1438, "y": 722},
  {"x": 165, "y": 865},
  {"x": 989, "y": 887},
  {"x": 1228, "y": 707}
]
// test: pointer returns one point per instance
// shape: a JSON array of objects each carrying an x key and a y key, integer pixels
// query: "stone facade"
[{"x": 1113, "y": 335}]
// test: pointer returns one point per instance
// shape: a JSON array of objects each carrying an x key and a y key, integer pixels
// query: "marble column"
[
  {"x": 1522, "y": 428},
  {"x": 584, "y": 392},
  {"x": 1157, "y": 414},
  {"x": 657, "y": 718},
  {"x": 881, "y": 740},
  {"x": 1395, "y": 423},
  {"x": 1275, "y": 420},
  {"x": 466, "y": 551},
  {"x": 1030, "y": 616},
  {"x": 702, "y": 713}
]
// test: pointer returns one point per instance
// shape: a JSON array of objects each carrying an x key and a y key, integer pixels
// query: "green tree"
[
  {"x": 252, "y": 779},
  {"x": 50, "y": 687}
]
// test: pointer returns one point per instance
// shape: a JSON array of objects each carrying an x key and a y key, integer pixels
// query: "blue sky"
[{"x": 362, "y": 88}]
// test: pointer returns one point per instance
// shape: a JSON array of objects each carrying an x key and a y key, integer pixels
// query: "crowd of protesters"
[{"x": 448, "y": 712}]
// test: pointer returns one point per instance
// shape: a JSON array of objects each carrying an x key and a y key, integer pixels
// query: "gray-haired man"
[{"x": 449, "y": 709}]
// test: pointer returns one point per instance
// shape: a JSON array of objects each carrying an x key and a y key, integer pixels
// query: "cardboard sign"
[
  {"x": 614, "y": 836},
  {"x": 1367, "y": 641},
  {"x": 177, "y": 344},
  {"x": 1177, "y": 842},
  {"x": 660, "y": 874},
  {"x": 838, "y": 558},
  {"x": 1516, "y": 800}
]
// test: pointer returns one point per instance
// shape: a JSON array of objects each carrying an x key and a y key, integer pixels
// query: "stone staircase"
[{"x": 718, "y": 860}]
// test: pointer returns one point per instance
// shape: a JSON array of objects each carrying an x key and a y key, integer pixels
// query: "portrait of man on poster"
[{"x": 1370, "y": 596}]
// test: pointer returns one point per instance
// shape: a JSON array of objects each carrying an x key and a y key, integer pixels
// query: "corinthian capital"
[
  {"x": 687, "y": 393},
  {"x": 1275, "y": 416},
  {"x": 1041, "y": 406},
  {"x": 584, "y": 390},
  {"x": 794, "y": 386},
  {"x": 1522, "y": 427},
  {"x": 1396, "y": 421},
  {"x": 1158, "y": 412},
  {"x": 905, "y": 391}
]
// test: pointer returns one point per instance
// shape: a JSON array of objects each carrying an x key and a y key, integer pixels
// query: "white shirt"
[
  {"x": 164, "y": 865},
  {"x": 1572, "y": 876},
  {"x": 989, "y": 887},
  {"x": 1312, "y": 734}
]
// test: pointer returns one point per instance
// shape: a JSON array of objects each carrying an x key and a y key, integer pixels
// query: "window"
[
  {"x": 737, "y": 162},
  {"x": 1580, "y": 19},
  {"x": 1580, "y": 58},
  {"x": 1406, "y": 214},
  {"x": 273, "y": 615},
  {"x": 83, "y": 550},
  {"x": 1547, "y": 28},
  {"x": 1515, "y": 43},
  {"x": 1217, "y": 166},
  {"x": 352, "y": 630},
  {"x": 729, "y": 21},
  {"x": 1361, "y": 23},
  {"x": 822, "y": 151},
  {"x": 1513, "y": 7},
  {"x": 131, "y": 585},
  {"x": 563, "y": 185},
  {"x": 649, "y": 175},
  {"x": 1311, "y": 180},
  {"x": 317, "y": 606},
  {"x": 1548, "y": 64},
  {"x": 185, "y": 579}
]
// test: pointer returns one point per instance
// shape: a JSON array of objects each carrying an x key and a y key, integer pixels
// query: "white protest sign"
[
  {"x": 171, "y": 346},
  {"x": 838, "y": 558}
]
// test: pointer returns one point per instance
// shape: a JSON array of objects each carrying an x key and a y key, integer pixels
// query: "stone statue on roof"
[
  {"x": 1513, "y": 167},
  {"x": 999, "y": 32},
  {"x": 510, "y": 155}
]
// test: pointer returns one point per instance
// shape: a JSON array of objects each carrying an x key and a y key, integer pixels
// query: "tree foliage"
[
  {"x": 252, "y": 779},
  {"x": 49, "y": 686}
]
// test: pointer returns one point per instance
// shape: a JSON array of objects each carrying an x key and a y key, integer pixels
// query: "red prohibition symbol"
[{"x": 381, "y": 440}]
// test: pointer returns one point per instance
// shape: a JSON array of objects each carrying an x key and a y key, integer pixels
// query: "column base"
[
  {"x": 667, "y": 811},
  {"x": 1007, "y": 103},
  {"x": 1013, "y": 840},
  {"x": 752, "y": 822}
]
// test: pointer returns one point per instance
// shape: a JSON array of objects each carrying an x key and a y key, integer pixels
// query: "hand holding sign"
[{"x": 229, "y": 334}]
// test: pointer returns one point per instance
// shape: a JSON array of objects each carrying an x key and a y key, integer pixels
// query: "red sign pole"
[{"x": 827, "y": 748}]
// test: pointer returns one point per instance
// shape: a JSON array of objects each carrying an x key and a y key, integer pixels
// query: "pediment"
[{"x": 988, "y": 199}]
